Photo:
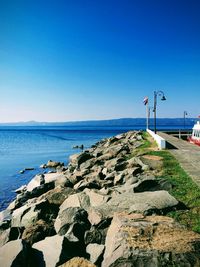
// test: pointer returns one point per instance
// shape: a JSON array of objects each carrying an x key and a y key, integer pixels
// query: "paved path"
[{"x": 187, "y": 154}]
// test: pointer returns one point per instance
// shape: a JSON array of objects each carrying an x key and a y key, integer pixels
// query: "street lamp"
[
  {"x": 163, "y": 98},
  {"x": 184, "y": 115}
]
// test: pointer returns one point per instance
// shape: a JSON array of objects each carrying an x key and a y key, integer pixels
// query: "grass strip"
[{"x": 184, "y": 189}]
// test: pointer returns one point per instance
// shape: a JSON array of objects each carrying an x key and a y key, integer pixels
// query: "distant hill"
[{"x": 112, "y": 122}]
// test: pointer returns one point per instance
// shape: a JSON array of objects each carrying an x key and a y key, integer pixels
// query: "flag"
[{"x": 145, "y": 101}]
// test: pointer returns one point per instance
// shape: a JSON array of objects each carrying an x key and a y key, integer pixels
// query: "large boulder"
[
  {"x": 80, "y": 200},
  {"x": 72, "y": 223},
  {"x": 96, "y": 252},
  {"x": 95, "y": 235},
  {"x": 85, "y": 200},
  {"x": 30, "y": 213},
  {"x": 154, "y": 162},
  {"x": 15, "y": 254},
  {"x": 54, "y": 164},
  {"x": 146, "y": 202},
  {"x": 42, "y": 179},
  {"x": 55, "y": 250},
  {"x": 154, "y": 241},
  {"x": 57, "y": 195},
  {"x": 38, "y": 231},
  {"x": 80, "y": 158},
  {"x": 5, "y": 218}
]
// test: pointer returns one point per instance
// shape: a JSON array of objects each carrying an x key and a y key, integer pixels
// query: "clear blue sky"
[{"x": 63, "y": 60}]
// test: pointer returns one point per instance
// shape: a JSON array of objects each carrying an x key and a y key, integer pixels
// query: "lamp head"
[{"x": 163, "y": 98}]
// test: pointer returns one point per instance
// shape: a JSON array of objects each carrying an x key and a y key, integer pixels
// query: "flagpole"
[{"x": 147, "y": 114}]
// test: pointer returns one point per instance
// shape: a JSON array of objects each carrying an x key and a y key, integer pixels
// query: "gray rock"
[
  {"x": 156, "y": 201},
  {"x": 15, "y": 254},
  {"x": 54, "y": 164},
  {"x": 53, "y": 251},
  {"x": 57, "y": 195},
  {"x": 37, "y": 232},
  {"x": 78, "y": 200},
  {"x": 154, "y": 162},
  {"x": 35, "y": 182},
  {"x": 80, "y": 158},
  {"x": 146, "y": 184},
  {"x": 21, "y": 189},
  {"x": 95, "y": 235},
  {"x": 155, "y": 241},
  {"x": 5, "y": 218},
  {"x": 87, "y": 183},
  {"x": 42, "y": 179},
  {"x": 9, "y": 234},
  {"x": 96, "y": 198},
  {"x": 96, "y": 252},
  {"x": 28, "y": 214},
  {"x": 72, "y": 222}
]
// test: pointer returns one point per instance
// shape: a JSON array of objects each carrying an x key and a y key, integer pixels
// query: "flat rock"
[
  {"x": 156, "y": 201},
  {"x": 14, "y": 253},
  {"x": 51, "y": 249},
  {"x": 78, "y": 200},
  {"x": 72, "y": 222},
  {"x": 5, "y": 217},
  {"x": 155, "y": 241},
  {"x": 37, "y": 232},
  {"x": 96, "y": 252},
  {"x": 57, "y": 195},
  {"x": 154, "y": 162},
  {"x": 55, "y": 250},
  {"x": 54, "y": 164}
]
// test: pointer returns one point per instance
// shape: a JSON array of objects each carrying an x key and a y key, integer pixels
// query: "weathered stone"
[
  {"x": 54, "y": 164},
  {"x": 21, "y": 189},
  {"x": 146, "y": 184},
  {"x": 37, "y": 232},
  {"x": 35, "y": 182},
  {"x": 78, "y": 200},
  {"x": 135, "y": 240},
  {"x": 119, "y": 179},
  {"x": 30, "y": 213},
  {"x": 55, "y": 250},
  {"x": 57, "y": 195},
  {"x": 87, "y": 183},
  {"x": 158, "y": 201},
  {"x": 154, "y": 162},
  {"x": 77, "y": 262},
  {"x": 72, "y": 222},
  {"x": 96, "y": 199},
  {"x": 95, "y": 235},
  {"x": 80, "y": 158},
  {"x": 15, "y": 254},
  {"x": 63, "y": 181},
  {"x": 5, "y": 218},
  {"x": 96, "y": 252},
  {"x": 88, "y": 164}
]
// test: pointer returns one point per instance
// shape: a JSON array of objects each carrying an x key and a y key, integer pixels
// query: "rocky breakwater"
[{"x": 104, "y": 209}]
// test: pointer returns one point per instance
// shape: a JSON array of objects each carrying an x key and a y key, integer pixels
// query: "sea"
[{"x": 29, "y": 147}]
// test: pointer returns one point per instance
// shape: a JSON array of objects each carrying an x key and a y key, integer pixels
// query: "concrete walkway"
[{"x": 187, "y": 154}]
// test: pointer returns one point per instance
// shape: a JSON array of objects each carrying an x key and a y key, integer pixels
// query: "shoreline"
[{"x": 105, "y": 194}]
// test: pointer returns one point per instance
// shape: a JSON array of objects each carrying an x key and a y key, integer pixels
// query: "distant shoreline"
[{"x": 131, "y": 122}]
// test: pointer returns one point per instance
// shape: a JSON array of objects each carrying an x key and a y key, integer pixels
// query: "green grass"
[
  {"x": 144, "y": 147},
  {"x": 184, "y": 189}
]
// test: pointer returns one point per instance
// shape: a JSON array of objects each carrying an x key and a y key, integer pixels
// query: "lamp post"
[
  {"x": 184, "y": 115},
  {"x": 163, "y": 98}
]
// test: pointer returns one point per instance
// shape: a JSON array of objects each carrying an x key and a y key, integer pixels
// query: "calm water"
[{"x": 22, "y": 147}]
